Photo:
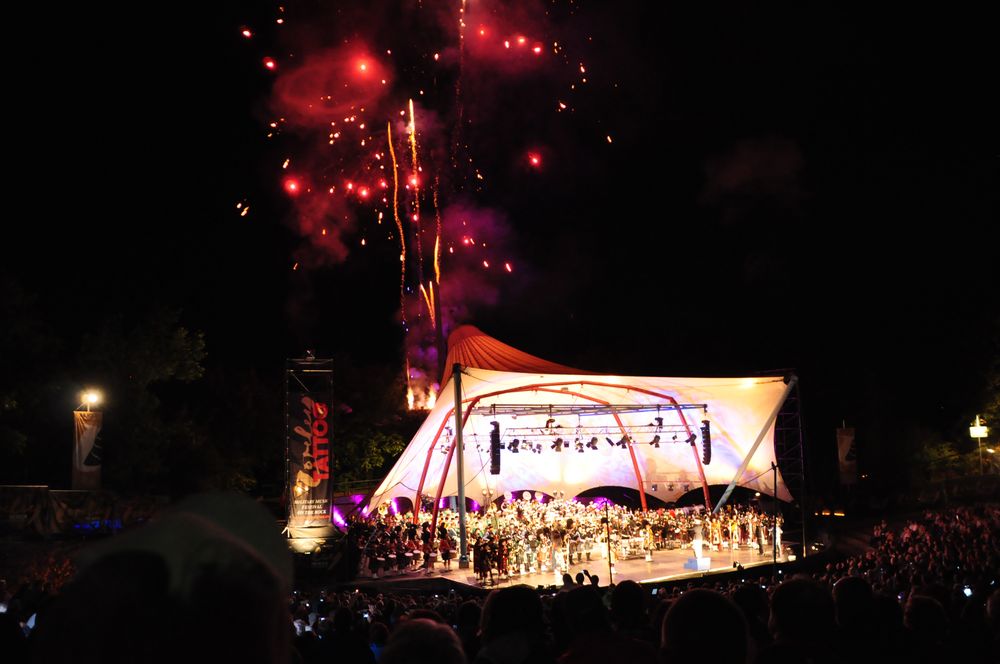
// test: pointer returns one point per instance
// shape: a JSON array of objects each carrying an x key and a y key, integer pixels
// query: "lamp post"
[
  {"x": 86, "y": 471},
  {"x": 979, "y": 430}
]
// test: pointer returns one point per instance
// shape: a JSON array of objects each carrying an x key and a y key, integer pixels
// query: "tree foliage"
[
  {"x": 371, "y": 423},
  {"x": 138, "y": 364},
  {"x": 31, "y": 377}
]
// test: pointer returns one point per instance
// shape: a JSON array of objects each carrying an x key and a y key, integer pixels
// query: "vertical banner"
[
  {"x": 847, "y": 456},
  {"x": 86, "y": 450},
  {"x": 308, "y": 397}
]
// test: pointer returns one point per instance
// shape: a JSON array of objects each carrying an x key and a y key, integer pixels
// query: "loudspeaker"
[
  {"x": 706, "y": 442},
  {"x": 495, "y": 449}
]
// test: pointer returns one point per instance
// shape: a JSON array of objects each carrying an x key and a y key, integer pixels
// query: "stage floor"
[{"x": 667, "y": 565}]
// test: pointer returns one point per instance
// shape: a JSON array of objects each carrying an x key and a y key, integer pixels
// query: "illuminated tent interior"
[{"x": 567, "y": 430}]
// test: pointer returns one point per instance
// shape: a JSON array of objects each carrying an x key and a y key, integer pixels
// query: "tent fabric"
[
  {"x": 471, "y": 347},
  {"x": 737, "y": 408}
]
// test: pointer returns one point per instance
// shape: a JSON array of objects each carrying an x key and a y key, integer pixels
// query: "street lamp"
[
  {"x": 979, "y": 430},
  {"x": 90, "y": 398}
]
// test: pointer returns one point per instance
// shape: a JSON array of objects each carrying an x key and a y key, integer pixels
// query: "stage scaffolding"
[{"x": 789, "y": 449}]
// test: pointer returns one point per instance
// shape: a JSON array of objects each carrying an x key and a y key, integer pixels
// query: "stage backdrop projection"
[
  {"x": 86, "y": 450},
  {"x": 308, "y": 434}
]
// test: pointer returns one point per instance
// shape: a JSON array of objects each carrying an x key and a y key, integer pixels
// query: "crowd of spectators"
[{"x": 925, "y": 591}]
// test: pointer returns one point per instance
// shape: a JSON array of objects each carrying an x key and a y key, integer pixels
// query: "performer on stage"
[
  {"x": 430, "y": 553},
  {"x": 447, "y": 546},
  {"x": 558, "y": 559},
  {"x": 697, "y": 541},
  {"x": 647, "y": 540},
  {"x": 716, "y": 525}
]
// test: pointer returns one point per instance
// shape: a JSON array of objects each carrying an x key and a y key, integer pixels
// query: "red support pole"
[
  {"x": 444, "y": 472},
  {"x": 427, "y": 463}
]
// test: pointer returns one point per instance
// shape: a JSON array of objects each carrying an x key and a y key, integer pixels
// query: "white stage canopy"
[{"x": 642, "y": 427}]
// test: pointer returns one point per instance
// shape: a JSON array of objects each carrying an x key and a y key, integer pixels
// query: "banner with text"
[
  {"x": 310, "y": 460},
  {"x": 847, "y": 456}
]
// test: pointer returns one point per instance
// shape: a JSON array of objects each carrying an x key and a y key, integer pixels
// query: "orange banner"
[{"x": 86, "y": 450}]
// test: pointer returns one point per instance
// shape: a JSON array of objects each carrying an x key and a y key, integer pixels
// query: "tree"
[
  {"x": 31, "y": 379},
  {"x": 138, "y": 364},
  {"x": 371, "y": 422}
]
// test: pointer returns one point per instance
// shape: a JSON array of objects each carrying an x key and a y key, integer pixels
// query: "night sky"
[{"x": 786, "y": 187}]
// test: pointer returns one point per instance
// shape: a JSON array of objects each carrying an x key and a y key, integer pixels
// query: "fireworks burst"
[{"x": 376, "y": 152}]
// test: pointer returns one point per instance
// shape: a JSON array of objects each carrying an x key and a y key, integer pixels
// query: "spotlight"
[
  {"x": 691, "y": 439},
  {"x": 538, "y": 448},
  {"x": 514, "y": 446},
  {"x": 623, "y": 442},
  {"x": 549, "y": 422},
  {"x": 579, "y": 445},
  {"x": 674, "y": 438},
  {"x": 656, "y": 441},
  {"x": 526, "y": 445},
  {"x": 593, "y": 443},
  {"x": 659, "y": 423},
  {"x": 610, "y": 442},
  {"x": 654, "y": 487},
  {"x": 556, "y": 445},
  {"x": 670, "y": 487},
  {"x": 687, "y": 487}
]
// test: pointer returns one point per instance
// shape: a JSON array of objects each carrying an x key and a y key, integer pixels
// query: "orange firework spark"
[
  {"x": 416, "y": 198},
  {"x": 428, "y": 299},
  {"x": 437, "y": 236},
  {"x": 399, "y": 227}
]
